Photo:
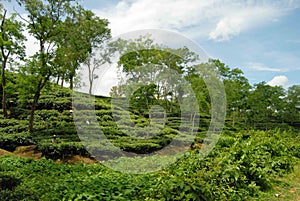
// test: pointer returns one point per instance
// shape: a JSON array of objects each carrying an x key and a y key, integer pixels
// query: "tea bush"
[
  {"x": 239, "y": 167},
  {"x": 63, "y": 150},
  {"x": 236, "y": 169},
  {"x": 10, "y": 142},
  {"x": 8, "y": 181}
]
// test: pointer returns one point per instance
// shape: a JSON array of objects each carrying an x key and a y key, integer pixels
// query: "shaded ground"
[
  {"x": 4, "y": 152},
  {"x": 30, "y": 152}
]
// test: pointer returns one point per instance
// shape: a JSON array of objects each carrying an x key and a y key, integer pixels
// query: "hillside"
[
  {"x": 54, "y": 117},
  {"x": 242, "y": 165}
]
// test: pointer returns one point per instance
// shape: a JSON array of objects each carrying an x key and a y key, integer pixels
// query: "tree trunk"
[
  {"x": 90, "y": 75},
  {"x": 4, "y": 61},
  {"x": 71, "y": 82},
  {"x": 3, "y": 88},
  {"x": 33, "y": 107},
  {"x": 37, "y": 94},
  {"x": 90, "y": 87},
  {"x": 57, "y": 81},
  {"x": 62, "y": 81}
]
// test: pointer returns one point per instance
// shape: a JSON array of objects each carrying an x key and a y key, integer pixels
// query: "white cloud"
[
  {"x": 218, "y": 20},
  {"x": 227, "y": 27},
  {"x": 242, "y": 19},
  {"x": 263, "y": 67},
  {"x": 290, "y": 60},
  {"x": 106, "y": 81},
  {"x": 279, "y": 81}
]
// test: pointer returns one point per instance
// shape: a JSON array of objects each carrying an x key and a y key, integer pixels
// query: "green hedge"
[
  {"x": 60, "y": 151},
  {"x": 11, "y": 142}
]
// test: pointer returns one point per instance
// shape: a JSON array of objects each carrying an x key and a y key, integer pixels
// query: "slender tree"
[
  {"x": 95, "y": 63},
  {"x": 43, "y": 21},
  {"x": 81, "y": 33},
  {"x": 11, "y": 45}
]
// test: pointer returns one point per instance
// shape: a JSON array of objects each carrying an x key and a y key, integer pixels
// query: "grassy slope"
[
  {"x": 53, "y": 117},
  {"x": 287, "y": 187}
]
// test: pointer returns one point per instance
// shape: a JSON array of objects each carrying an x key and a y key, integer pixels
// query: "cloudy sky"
[{"x": 261, "y": 37}]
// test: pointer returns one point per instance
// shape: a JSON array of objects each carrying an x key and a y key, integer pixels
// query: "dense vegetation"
[
  {"x": 243, "y": 163},
  {"x": 259, "y": 142},
  {"x": 240, "y": 166}
]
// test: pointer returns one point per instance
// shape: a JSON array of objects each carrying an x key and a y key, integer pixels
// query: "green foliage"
[
  {"x": 17, "y": 195},
  {"x": 9, "y": 190},
  {"x": 11, "y": 141},
  {"x": 60, "y": 151},
  {"x": 241, "y": 165},
  {"x": 236, "y": 169},
  {"x": 139, "y": 147},
  {"x": 8, "y": 182},
  {"x": 52, "y": 181},
  {"x": 11, "y": 45}
]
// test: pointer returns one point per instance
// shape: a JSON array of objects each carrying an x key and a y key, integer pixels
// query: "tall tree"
[
  {"x": 156, "y": 62},
  {"x": 200, "y": 89},
  {"x": 292, "y": 105},
  {"x": 94, "y": 63},
  {"x": 265, "y": 104},
  {"x": 11, "y": 45},
  {"x": 44, "y": 20},
  {"x": 81, "y": 33},
  {"x": 155, "y": 75},
  {"x": 237, "y": 88}
]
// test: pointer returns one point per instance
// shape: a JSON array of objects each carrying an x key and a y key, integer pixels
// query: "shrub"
[
  {"x": 11, "y": 142},
  {"x": 8, "y": 182},
  {"x": 18, "y": 195},
  {"x": 60, "y": 151}
]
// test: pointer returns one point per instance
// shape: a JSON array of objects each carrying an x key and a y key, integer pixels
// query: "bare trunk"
[
  {"x": 90, "y": 75},
  {"x": 71, "y": 82},
  {"x": 62, "y": 81},
  {"x": 3, "y": 88},
  {"x": 4, "y": 61},
  {"x": 90, "y": 89},
  {"x": 57, "y": 81}
]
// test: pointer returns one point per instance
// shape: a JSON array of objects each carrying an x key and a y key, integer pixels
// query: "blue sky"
[{"x": 261, "y": 37}]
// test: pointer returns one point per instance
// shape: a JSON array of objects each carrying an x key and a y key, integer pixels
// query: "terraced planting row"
[{"x": 54, "y": 116}]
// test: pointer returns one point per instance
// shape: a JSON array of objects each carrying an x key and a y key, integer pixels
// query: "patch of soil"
[
  {"x": 173, "y": 149},
  {"x": 28, "y": 152},
  {"x": 78, "y": 159},
  {"x": 4, "y": 152}
]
